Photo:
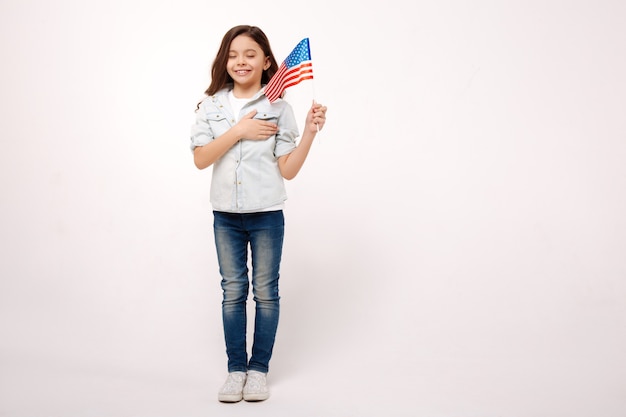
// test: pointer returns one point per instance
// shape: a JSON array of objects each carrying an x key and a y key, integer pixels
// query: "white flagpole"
[
  {"x": 313, "y": 83},
  {"x": 314, "y": 102}
]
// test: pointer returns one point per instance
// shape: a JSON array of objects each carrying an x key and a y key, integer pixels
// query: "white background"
[{"x": 455, "y": 244}]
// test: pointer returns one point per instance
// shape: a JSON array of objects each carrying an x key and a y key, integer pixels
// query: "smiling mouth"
[{"x": 242, "y": 72}]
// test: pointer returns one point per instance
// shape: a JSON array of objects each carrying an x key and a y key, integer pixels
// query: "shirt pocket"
[
  {"x": 267, "y": 116},
  {"x": 219, "y": 122}
]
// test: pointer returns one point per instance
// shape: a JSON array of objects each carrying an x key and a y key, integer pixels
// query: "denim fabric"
[
  {"x": 246, "y": 178},
  {"x": 263, "y": 233}
]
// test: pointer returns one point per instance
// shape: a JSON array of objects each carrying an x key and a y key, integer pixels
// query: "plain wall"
[{"x": 455, "y": 242}]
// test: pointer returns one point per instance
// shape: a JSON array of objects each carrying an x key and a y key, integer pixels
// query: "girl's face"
[{"x": 246, "y": 63}]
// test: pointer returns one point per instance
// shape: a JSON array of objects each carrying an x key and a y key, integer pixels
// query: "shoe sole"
[
  {"x": 229, "y": 398},
  {"x": 255, "y": 397}
]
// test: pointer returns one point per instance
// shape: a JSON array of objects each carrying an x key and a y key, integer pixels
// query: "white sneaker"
[
  {"x": 256, "y": 387},
  {"x": 232, "y": 390}
]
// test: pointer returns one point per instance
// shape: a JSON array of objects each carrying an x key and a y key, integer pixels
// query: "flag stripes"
[{"x": 294, "y": 69}]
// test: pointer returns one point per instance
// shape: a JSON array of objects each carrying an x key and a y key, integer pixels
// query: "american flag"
[{"x": 295, "y": 68}]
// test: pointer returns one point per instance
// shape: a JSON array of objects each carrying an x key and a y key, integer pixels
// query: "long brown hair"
[{"x": 219, "y": 75}]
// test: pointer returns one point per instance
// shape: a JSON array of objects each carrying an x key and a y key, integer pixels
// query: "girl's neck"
[{"x": 245, "y": 92}]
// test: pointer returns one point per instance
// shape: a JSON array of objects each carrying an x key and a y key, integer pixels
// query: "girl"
[{"x": 251, "y": 144}]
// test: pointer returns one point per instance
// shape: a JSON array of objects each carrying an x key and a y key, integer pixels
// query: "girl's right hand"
[{"x": 254, "y": 129}]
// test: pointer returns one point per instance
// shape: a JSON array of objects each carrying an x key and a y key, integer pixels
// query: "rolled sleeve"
[
  {"x": 287, "y": 132},
  {"x": 201, "y": 132}
]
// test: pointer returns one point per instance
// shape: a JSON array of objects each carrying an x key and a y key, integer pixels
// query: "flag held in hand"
[{"x": 295, "y": 68}]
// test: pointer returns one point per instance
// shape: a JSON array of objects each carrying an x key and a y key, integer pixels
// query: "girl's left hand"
[{"x": 316, "y": 117}]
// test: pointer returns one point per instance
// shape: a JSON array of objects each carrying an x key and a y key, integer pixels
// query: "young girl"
[{"x": 251, "y": 144}]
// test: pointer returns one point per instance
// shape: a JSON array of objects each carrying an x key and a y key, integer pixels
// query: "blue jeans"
[{"x": 263, "y": 233}]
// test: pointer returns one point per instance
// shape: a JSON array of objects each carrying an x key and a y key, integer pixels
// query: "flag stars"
[
  {"x": 299, "y": 54},
  {"x": 295, "y": 68}
]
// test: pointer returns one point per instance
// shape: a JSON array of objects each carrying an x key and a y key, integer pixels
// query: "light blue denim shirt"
[{"x": 246, "y": 178}]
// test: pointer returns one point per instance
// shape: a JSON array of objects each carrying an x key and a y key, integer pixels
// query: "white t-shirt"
[{"x": 237, "y": 104}]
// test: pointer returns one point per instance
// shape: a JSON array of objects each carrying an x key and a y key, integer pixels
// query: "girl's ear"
[{"x": 267, "y": 63}]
